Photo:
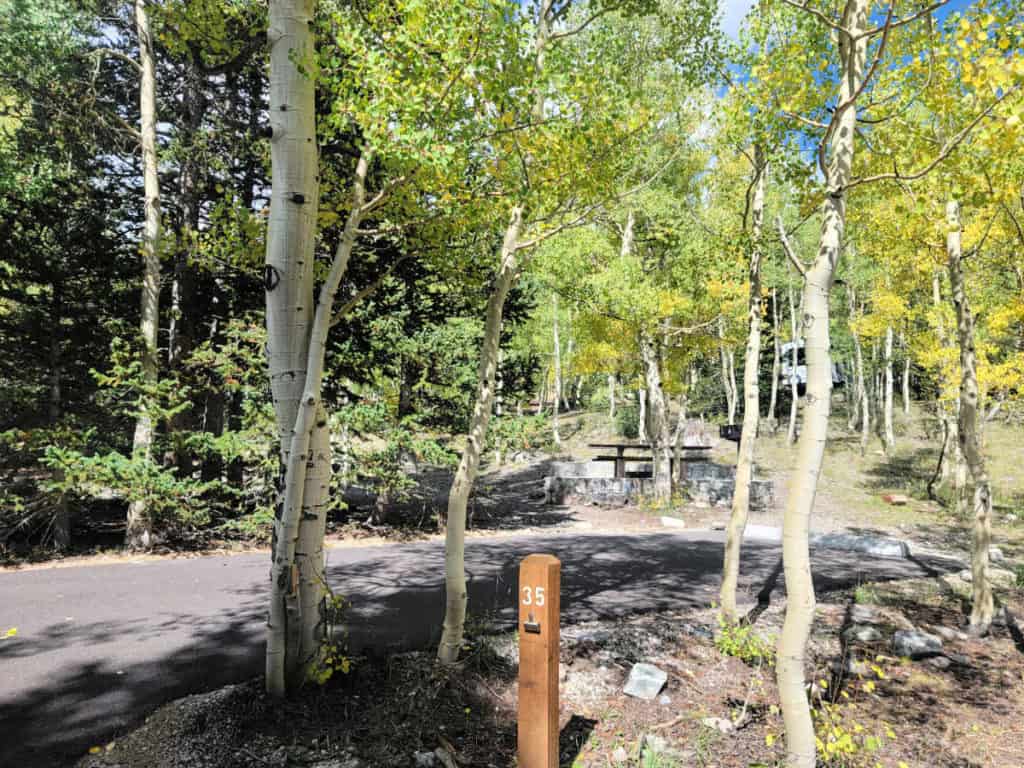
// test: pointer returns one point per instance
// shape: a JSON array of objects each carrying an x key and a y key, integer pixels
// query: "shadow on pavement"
[{"x": 397, "y": 599}]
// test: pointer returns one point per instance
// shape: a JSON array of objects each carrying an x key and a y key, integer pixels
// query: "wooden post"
[{"x": 540, "y": 579}]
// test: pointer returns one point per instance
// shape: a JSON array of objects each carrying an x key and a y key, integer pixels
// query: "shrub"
[{"x": 744, "y": 643}]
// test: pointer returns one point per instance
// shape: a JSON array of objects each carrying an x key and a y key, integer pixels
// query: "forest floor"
[{"x": 960, "y": 708}]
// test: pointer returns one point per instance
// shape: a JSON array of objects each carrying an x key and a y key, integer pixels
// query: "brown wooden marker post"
[{"x": 540, "y": 581}]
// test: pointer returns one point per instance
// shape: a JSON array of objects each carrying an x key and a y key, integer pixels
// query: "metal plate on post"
[{"x": 540, "y": 578}]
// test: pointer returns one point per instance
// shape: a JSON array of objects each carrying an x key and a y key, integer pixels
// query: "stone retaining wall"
[{"x": 590, "y": 482}]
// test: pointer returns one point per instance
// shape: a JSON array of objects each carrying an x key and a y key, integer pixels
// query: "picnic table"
[{"x": 620, "y": 458}]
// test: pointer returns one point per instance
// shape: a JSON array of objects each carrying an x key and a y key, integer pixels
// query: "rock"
[
  {"x": 620, "y": 755},
  {"x": 664, "y": 699},
  {"x": 948, "y": 634},
  {"x": 939, "y": 662},
  {"x": 445, "y": 758},
  {"x": 861, "y": 634},
  {"x": 853, "y": 667},
  {"x": 879, "y": 546},
  {"x": 645, "y": 681},
  {"x": 673, "y": 522},
  {"x": 425, "y": 760},
  {"x": 915, "y": 645},
  {"x": 719, "y": 724},
  {"x": 959, "y": 658},
  {"x": 995, "y": 554},
  {"x": 864, "y": 614},
  {"x": 763, "y": 533},
  {"x": 697, "y": 630}
]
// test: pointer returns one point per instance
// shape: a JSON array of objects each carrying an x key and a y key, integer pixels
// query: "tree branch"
[
  {"x": 904, "y": 20},
  {"x": 815, "y": 12},
  {"x": 951, "y": 145},
  {"x": 366, "y": 292},
  {"x": 790, "y": 253}
]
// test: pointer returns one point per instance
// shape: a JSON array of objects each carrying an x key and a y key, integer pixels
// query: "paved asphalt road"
[{"x": 99, "y": 647}]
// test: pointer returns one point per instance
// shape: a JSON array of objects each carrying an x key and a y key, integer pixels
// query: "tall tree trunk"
[
  {"x": 641, "y": 396},
  {"x": 658, "y": 431},
  {"x": 465, "y": 475},
  {"x": 858, "y": 362},
  {"x": 800, "y": 601},
  {"x": 773, "y": 400},
  {"x": 889, "y": 440},
  {"x": 296, "y": 346},
  {"x": 557, "y": 359},
  {"x": 751, "y": 397},
  {"x": 906, "y": 374},
  {"x": 611, "y": 396},
  {"x": 728, "y": 374},
  {"x": 138, "y": 530},
  {"x": 981, "y": 529},
  {"x": 794, "y": 389},
  {"x": 61, "y": 513}
]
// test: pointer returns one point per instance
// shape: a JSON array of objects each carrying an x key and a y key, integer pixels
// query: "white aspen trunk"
[
  {"x": 981, "y": 528},
  {"x": 296, "y": 346},
  {"x": 751, "y": 404},
  {"x": 800, "y": 601},
  {"x": 889, "y": 440},
  {"x": 906, "y": 375},
  {"x": 858, "y": 363},
  {"x": 731, "y": 358},
  {"x": 139, "y": 528},
  {"x": 773, "y": 401},
  {"x": 611, "y": 396},
  {"x": 947, "y": 455},
  {"x": 641, "y": 395},
  {"x": 728, "y": 378},
  {"x": 865, "y": 409},
  {"x": 469, "y": 464},
  {"x": 658, "y": 431},
  {"x": 794, "y": 393},
  {"x": 558, "y": 372}
]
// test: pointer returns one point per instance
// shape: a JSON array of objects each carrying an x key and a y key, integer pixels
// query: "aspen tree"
[
  {"x": 751, "y": 395},
  {"x": 139, "y": 529}
]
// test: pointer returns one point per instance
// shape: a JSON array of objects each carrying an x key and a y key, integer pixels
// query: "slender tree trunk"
[
  {"x": 611, "y": 396},
  {"x": 773, "y": 401},
  {"x": 981, "y": 529},
  {"x": 946, "y": 417},
  {"x": 728, "y": 374},
  {"x": 469, "y": 464},
  {"x": 61, "y": 513},
  {"x": 794, "y": 391},
  {"x": 138, "y": 531},
  {"x": 557, "y": 358},
  {"x": 887, "y": 405},
  {"x": 906, "y": 375},
  {"x": 657, "y": 420},
  {"x": 296, "y": 346},
  {"x": 800, "y": 601},
  {"x": 641, "y": 396},
  {"x": 858, "y": 362},
  {"x": 751, "y": 405}
]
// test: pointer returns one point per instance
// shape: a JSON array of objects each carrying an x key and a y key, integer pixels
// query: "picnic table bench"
[{"x": 620, "y": 458}]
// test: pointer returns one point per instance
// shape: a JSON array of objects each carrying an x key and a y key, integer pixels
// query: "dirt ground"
[{"x": 961, "y": 708}]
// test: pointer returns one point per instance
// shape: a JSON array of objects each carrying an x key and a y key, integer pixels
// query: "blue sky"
[{"x": 733, "y": 12}]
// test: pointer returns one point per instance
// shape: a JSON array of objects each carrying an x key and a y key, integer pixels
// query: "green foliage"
[
  {"x": 842, "y": 739},
  {"x": 741, "y": 641},
  {"x": 506, "y": 434},
  {"x": 333, "y": 657},
  {"x": 172, "y": 501},
  {"x": 627, "y": 420}
]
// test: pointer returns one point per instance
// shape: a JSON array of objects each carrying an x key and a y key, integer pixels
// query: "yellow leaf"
[
  {"x": 10, "y": 632},
  {"x": 95, "y": 750}
]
